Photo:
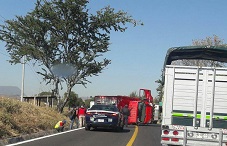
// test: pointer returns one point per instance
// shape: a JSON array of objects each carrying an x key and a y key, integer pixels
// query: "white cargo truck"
[{"x": 195, "y": 99}]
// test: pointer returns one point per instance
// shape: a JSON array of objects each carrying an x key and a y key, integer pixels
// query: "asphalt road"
[{"x": 148, "y": 135}]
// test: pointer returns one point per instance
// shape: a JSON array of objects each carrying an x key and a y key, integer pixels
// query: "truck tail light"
[
  {"x": 165, "y": 138},
  {"x": 175, "y": 133},
  {"x": 166, "y": 132},
  {"x": 175, "y": 139}
]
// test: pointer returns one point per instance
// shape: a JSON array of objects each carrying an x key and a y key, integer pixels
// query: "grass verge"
[{"x": 20, "y": 118}]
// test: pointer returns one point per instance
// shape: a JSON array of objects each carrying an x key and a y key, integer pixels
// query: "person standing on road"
[
  {"x": 73, "y": 113},
  {"x": 60, "y": 126},
  {"x": 126, "y": 113},
  {"x": 81, "y": 115}
]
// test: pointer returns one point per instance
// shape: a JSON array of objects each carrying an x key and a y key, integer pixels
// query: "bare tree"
[{"x": 208, "y": 41}]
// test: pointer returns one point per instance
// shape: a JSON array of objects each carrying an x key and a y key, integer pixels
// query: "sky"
[{"x": 137, "y": 55}]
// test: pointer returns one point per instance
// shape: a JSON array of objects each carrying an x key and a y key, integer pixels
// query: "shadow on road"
[
  {"x": 125, "y": 130},
  {"x": 154, "y": 125}
]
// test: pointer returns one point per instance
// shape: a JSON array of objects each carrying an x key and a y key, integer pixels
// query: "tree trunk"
[{"x": 61, "y": 106}]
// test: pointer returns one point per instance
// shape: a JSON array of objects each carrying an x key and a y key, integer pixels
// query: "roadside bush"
[{"x": 10, "y": 105}]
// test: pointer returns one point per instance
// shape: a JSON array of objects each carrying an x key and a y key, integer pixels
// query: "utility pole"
[{"x": 22, "y": 84}]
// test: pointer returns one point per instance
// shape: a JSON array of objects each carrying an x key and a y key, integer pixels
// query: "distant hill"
[{"x": 10, "y": 91}]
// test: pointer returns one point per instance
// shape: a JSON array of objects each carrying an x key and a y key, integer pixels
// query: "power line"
[
  {"x": 3, "y": 18},
  {"x": 35, "y": 72},
  {"x": 31, "y": 68}
]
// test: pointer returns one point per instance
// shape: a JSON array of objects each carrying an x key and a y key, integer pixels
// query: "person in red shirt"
[{"x": 81, "y": 115}]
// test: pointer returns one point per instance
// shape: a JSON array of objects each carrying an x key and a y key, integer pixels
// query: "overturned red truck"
[{"x": 141, "y": 108}]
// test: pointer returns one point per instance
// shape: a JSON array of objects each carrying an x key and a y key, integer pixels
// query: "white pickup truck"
[{"x": 195, "y": 99}]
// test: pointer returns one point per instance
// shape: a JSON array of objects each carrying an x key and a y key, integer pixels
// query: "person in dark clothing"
[
  {"x": 140, "y": 111},
  {"x": 126, "y": 113},
  {"x": 73, "y": 117}
]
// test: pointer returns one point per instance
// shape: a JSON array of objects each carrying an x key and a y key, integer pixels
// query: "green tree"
[
  {"x": 159, "y": 90},
  {"x": 133, "y": 94},
  {"x": 45, "y": 93},
  {"x": 80, "y": 102},
  {"x": 87, "y": 102},
  {"x": 73, "y": 99},
  {"x": 156, "y": 100},
  {"x": 48, "y": 93},
  {"x": 60, "y": 32}
]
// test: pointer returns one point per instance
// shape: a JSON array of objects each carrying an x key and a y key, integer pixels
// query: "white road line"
[{"x": 30, "y": 140}]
